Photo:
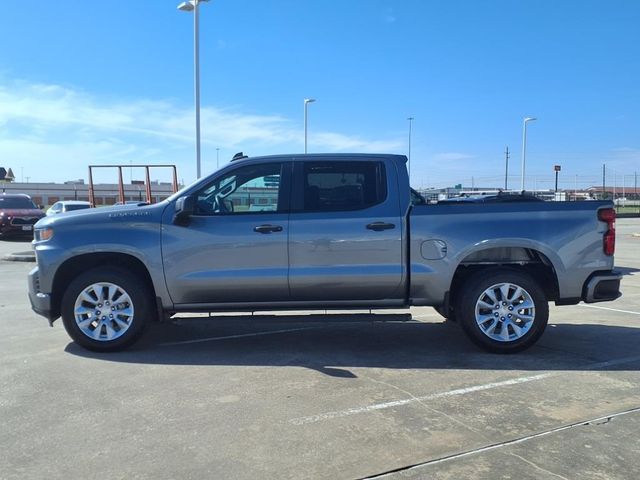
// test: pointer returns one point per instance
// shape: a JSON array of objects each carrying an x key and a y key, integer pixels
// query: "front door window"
[{"x": 250, "y": 189}]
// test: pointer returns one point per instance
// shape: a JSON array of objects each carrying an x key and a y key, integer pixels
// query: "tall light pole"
[
  {"x": 307, "y": 101},
  {"x": 409, "y": 156},
  {"x": 524, "y": 146},
  {"x": 192, "y": 6}
]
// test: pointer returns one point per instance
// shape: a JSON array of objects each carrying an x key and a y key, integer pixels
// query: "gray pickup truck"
[{"x": 321, "y": 232}]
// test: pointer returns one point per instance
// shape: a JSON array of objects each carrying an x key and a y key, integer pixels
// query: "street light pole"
[
  {"x": 524, "y": 147},
  {"x": 192, "y": 6},
  {"x": 307, "y": 101},
  {"x": 409, "y": 156}
]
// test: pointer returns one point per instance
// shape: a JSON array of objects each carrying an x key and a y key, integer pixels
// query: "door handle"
[
  {"x": 379, "y": 226},
  {"x": 267, "y": 228}
]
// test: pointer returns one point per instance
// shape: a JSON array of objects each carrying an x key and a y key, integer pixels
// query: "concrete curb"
[{"x": 20, "y": 257}]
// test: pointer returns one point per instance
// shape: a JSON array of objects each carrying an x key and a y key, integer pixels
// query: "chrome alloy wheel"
[
  {"x": 103, "y": 311},
  {"x": 505, "y": 312}
]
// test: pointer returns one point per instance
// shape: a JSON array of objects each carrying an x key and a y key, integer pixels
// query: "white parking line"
[
  {"x": 452, "y": 393},
  {"x": 397, "y": 403},
  {"x": 607, "y": 308},
  {"x": 255, "y": 334}
]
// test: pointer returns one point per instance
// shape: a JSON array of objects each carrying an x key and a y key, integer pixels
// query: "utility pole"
[
  {"x": 506, "y": 168},
  {"x": 604, "y": 178}
]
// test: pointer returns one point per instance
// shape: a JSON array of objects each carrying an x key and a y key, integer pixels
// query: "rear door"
[
  {"x": 345, "y": 234},
  {"x": 235, "y": 246}
]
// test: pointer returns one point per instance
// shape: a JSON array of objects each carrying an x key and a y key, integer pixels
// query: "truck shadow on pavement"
[{"x": 338, "y": 345}]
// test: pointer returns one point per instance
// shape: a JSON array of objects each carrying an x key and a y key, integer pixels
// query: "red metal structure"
[{"x": 147, "y": 168}]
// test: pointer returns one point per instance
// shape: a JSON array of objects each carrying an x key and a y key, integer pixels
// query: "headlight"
[{"x": 43, "y": 234}]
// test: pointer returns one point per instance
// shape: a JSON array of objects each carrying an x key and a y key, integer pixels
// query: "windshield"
[
  {"x": 16, "y": 203},
  {"x": 69, "y": 208}
]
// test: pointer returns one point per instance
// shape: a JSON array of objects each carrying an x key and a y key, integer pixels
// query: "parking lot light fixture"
[
  {"x": 186, "y": 6},
  {"x": 192, "y": 6},
  {"x": 410, "y": 119},
  {"x": 307, "y": 101},
  {"x": 524, "y": 146}
]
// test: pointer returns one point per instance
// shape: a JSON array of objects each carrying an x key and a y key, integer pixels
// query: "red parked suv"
[{"x": 18, "y": 214}]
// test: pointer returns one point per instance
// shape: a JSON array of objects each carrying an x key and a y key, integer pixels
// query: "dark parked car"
[{"x": 18, "y": 214}]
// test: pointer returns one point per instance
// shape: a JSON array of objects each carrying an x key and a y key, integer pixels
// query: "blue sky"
[{"x": 112, "y": 82}]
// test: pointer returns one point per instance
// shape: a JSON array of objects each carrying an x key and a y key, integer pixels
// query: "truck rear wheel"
[
  {"x": 503, "y": 311},
  {"x": 105, "y": 309}
]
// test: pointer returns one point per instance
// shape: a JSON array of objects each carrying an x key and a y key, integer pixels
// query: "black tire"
[
  {"x": 519, "y": 333},
  {"x": 113, "y": 316}
]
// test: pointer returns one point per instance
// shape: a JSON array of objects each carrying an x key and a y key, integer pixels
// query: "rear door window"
[{"x": 343, "y": 186}]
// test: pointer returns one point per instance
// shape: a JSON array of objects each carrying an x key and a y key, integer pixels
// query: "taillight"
[{"x": 609, "y": 240}]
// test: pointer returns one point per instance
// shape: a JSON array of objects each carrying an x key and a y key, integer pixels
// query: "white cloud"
[{"x": 54, "y": 132}]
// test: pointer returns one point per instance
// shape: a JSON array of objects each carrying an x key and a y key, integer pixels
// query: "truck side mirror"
[{"x": 185, "y": 207}]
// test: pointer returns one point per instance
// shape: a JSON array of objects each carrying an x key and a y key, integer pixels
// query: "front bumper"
[
  {"x": 40, "y": 302},
  {"x": 602, "y": 287}
]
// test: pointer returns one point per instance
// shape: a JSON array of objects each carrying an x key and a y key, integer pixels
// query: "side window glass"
[
  {"x": 343, "y": 186},
  {"x": 249, "y": 189}
]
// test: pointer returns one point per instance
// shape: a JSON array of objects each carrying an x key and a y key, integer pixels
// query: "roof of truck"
[{"x": 322, "y": 156}]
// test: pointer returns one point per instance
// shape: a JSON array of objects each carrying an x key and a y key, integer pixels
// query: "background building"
[{"x": 105, "y": 193}]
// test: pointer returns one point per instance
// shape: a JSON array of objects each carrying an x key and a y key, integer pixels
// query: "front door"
[{"x": 235, "y": 246}]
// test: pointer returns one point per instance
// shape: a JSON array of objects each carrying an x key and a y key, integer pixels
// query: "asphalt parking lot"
[{"x": 324, "y": 397}]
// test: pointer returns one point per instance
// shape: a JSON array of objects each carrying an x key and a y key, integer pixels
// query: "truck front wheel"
[
  {"x": 503, "y": 311},
  {"x": 105, "y": 309}
]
